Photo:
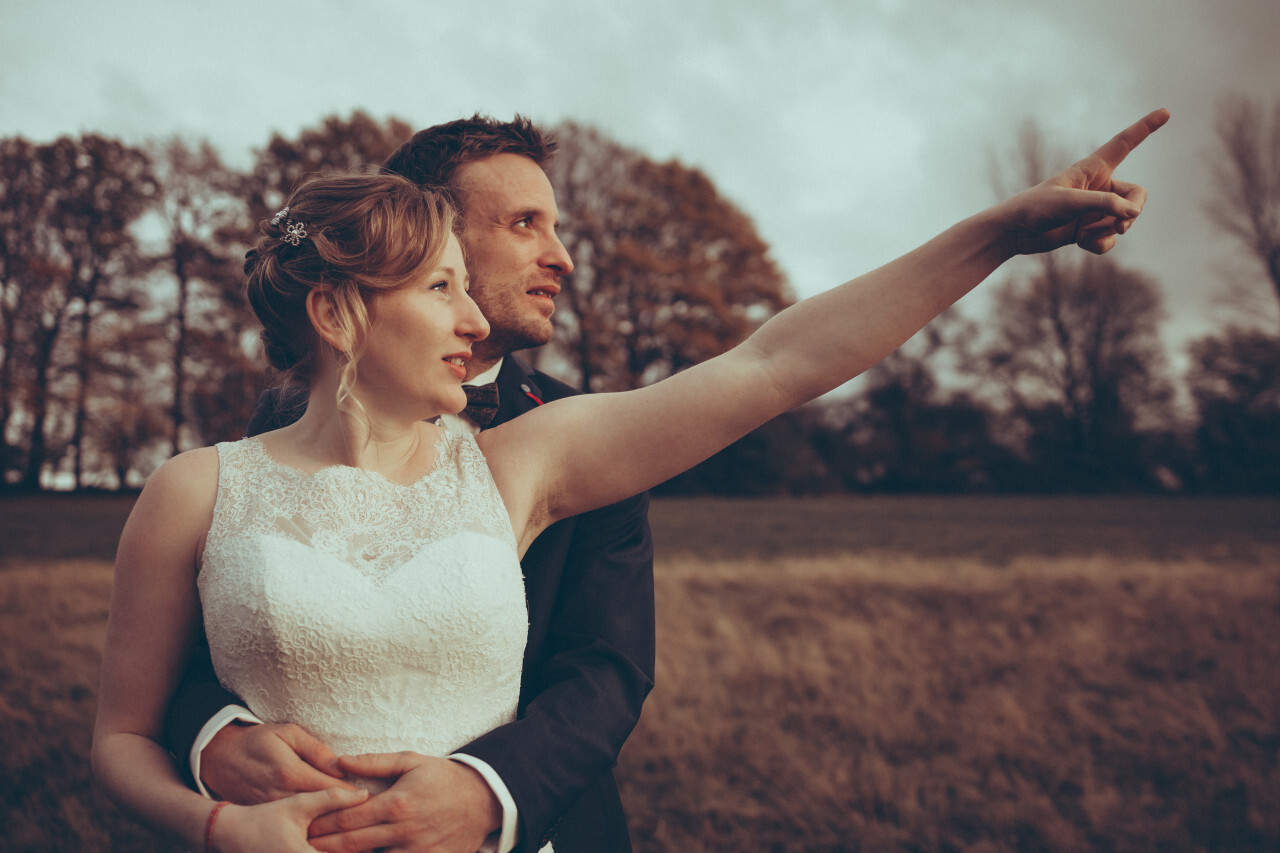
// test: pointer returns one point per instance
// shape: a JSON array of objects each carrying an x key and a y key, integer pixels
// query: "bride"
[{"x": 361, "y": 559}]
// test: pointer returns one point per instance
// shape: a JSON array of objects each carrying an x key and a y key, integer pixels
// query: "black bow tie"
[{"x": 482, "y": 403}]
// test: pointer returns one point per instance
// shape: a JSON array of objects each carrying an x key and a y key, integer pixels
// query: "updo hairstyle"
[{"x": 354, "y": 235}]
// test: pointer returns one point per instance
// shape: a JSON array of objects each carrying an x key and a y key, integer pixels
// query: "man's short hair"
[{"x": 431, "y": 157}]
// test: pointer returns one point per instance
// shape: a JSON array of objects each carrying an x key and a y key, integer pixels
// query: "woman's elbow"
[
  {"x": 98, "y": 760},
  {"x": 105, "y": 758}
]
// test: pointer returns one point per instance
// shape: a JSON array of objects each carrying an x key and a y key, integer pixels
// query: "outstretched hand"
[{"x": 1083, "y": 204}]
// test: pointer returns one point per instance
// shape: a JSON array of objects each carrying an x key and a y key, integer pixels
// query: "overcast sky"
[{"x": 849, "y": 130}]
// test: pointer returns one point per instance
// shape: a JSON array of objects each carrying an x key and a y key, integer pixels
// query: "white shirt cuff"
[
  {"x": 507, "y": 835},
  {"x": 229, "y": 714}
]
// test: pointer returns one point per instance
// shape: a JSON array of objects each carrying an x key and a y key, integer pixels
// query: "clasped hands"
[{"x": 433, "y": 804}]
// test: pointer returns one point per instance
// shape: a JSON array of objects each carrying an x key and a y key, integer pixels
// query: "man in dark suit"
[{"x": 588, "y": 663}]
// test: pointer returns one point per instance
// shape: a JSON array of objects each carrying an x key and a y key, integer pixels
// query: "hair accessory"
[
  {"x": 280, "y": 214},
  {"x": 294, "y": 232}
]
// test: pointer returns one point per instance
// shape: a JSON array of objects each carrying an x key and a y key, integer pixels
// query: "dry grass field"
[{"x": 896, "y": 674}]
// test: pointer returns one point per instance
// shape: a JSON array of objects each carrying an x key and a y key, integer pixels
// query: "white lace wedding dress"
[{"x": 378, "y": 616}]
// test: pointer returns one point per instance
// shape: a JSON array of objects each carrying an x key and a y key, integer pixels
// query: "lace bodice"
[{"x": 378, "y": 616}]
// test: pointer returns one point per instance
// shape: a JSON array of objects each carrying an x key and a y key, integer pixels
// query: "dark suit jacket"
[{"x": 588, "y": 664}]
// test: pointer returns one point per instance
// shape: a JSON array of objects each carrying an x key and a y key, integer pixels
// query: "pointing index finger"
[{"x": 1119, "y": 146}]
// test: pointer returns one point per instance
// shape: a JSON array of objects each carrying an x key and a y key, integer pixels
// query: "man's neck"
[
  {"x": 483, "y": 373},
  {"x": 479, "y": 366}
]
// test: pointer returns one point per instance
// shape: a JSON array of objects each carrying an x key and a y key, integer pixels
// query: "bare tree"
[
  {"x": 78, "y": 263},
  {"x": 1235, "y": 382},
  {"x": 23, "y": 198},
  {"x": 914, "y": 426},
  {"x": 1248, "y": 179},
  {"x": 110, "y": 186},
  {"x": 128, "y": 413},
  {"x": 1074, "y": 355},
  {"x": 202, "y": 206}
]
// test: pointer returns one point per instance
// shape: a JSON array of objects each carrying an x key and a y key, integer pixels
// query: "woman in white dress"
[{"x": 358, "y": 570}]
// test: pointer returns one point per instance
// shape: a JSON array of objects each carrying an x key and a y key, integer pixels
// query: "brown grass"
[
  {"x": 904, "y": 674},
  {"x": 890, "y": 703},
  {"x": 53, "y": 620}
]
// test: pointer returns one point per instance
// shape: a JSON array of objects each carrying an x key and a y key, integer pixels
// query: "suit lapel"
[{"x": 515, "y": 383}]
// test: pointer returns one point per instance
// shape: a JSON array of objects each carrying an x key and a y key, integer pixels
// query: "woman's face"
[{"x": 419, "y": 342}]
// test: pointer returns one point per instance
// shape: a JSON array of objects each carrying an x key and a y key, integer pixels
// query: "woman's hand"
[
  {"x": 434, "y": 805},
  {"x": 1084, "y": 204},
  {"x": 278, "y": 826}
]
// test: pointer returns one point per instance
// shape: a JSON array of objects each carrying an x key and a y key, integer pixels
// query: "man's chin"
[{"x": 503, "y": 341}]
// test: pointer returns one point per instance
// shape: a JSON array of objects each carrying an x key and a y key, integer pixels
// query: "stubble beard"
[{"x": 512, "y": 326}]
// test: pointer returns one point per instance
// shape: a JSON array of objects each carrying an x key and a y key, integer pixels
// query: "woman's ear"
[{"x": 324, "y": 319}]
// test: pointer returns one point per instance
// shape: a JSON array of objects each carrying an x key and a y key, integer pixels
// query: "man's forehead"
[{"x": 508, "y": 180}]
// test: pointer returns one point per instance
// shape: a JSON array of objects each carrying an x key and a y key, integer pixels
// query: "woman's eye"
[{"x": 440, "y": 285}]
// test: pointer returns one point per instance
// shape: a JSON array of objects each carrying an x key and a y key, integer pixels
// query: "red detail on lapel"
[{"x": 531, "y": 395}]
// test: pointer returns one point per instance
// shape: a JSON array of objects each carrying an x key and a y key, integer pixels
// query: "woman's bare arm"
[
  {"x": 154, "y": 617},
  {"x": 583, "y": 452}
]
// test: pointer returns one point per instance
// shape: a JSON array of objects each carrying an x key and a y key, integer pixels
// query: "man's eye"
[{"x": 527, "y": 222}]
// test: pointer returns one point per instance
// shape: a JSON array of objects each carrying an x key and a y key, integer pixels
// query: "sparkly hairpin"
[
  {"x": 294, "y": 232},
  {"x": 280, "y": 214}
]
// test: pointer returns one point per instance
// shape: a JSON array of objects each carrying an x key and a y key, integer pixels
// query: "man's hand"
[
  {"x": 1084, "y": 204},
  {"x": 435, "y": 806},
  {"x": 256, "y": 764}
]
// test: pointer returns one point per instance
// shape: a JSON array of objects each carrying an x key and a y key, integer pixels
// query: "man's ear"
[{"x": 324, "y": 319}]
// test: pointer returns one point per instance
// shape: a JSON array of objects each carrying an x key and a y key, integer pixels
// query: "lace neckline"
[
  {"x": 258, "y": 448},
  {"x": 361, "y": 518}
]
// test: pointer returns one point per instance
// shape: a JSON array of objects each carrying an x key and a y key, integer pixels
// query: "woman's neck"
[{"x": 401, "y": 449}]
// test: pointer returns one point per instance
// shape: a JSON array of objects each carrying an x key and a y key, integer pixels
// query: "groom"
[{"x": 589, "y": 580}]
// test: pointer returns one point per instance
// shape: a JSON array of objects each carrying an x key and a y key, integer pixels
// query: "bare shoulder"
[
  {"x": 180, "y": 495},
  {"x": 190, "y": 472},
  {"x": 519, "y": 447}
]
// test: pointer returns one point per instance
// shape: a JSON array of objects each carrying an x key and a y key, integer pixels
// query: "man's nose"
[{"x": 556, "y": 256}]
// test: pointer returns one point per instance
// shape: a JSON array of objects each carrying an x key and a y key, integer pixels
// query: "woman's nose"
[{"x": 472, "y": 323}]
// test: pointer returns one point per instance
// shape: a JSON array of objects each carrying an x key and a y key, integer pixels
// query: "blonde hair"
[{"x": 352, "y": 236}]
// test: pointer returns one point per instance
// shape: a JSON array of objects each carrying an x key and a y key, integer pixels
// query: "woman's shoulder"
[
  {"x": 198, "y": 463},
  {"x": 187, "y": 481},
  {"x": 176, "y": 505}
]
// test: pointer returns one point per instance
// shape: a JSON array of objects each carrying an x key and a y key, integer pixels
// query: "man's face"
[{"x": 513, "y": 254}]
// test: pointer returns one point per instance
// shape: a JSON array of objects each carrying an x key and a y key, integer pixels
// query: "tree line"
[{"x": 124, "y": 337}]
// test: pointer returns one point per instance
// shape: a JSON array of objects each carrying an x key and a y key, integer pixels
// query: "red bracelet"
[{"x": 208, "y": 826}]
